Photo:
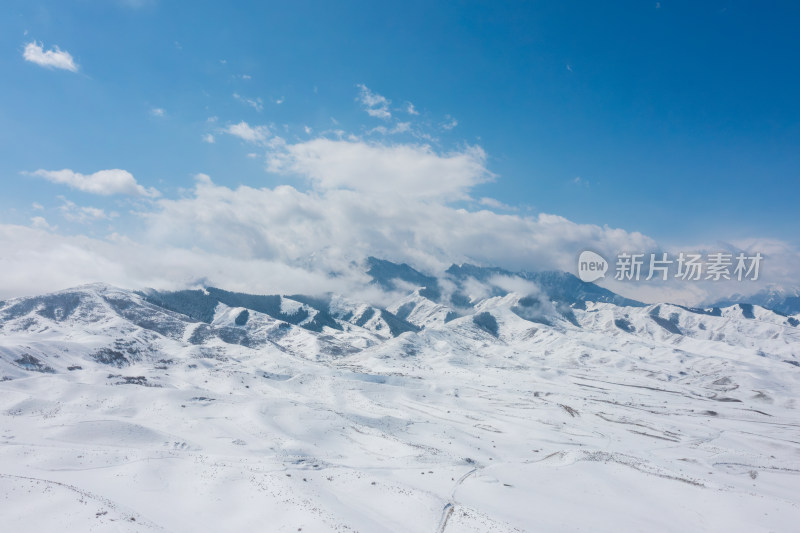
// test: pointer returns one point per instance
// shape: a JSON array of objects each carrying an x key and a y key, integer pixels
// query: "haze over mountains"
[{"x": 477, "y": 401}]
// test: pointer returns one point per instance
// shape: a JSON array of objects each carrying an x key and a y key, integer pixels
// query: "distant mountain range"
[
  {"x": 558, "y": 286},
  {"x": 336, "y": 326},
  {"x": 780, "y": 300}
]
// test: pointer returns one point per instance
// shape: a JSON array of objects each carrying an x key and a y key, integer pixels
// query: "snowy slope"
[{"x": 514, "y": 414}]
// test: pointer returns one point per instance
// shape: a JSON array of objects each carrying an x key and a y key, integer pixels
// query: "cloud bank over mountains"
[{"x": 345, "y": 197}]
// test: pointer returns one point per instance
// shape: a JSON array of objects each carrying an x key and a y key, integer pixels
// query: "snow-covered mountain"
[
  {"x": 780, "y": 299},
  {"x": 481, "y": 400}
]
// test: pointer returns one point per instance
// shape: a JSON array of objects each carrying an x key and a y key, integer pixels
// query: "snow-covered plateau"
[{"x": 464, "y": 406}]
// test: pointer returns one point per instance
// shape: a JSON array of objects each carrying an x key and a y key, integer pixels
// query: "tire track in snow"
[{"x": 450, "y": 506}]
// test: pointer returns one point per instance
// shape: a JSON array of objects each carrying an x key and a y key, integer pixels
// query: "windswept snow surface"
[{"x": 119, "y": 415}]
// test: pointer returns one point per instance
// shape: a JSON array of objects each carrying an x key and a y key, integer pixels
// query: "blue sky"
[{"x": 679, "y": 120}]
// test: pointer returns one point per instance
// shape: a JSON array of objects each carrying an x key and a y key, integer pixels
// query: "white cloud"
[
  {"x": 40, "y": 223},
  {"x": 209, "y": 138},
  {"x": 255, "y": 103},
  {"x": 411, "y": 110},
  {"x": 515, "y": 284},
  {"x": 327, "y": 230},
  {"x": 280, "y": 100},
  {"x": 157, "y": 112},
  {"x": 336, "y": 226},
  {"x": 402, "y": 169},
  {"x": 83, "y": 214},
  {"x": 450, "y": 123},
  {"x": 37, "y": 206},
  {"x": 37, "y": 260},
  {"x": 374, "y": 104},
  {"x": 400, "y": 127},
  {"x": 496, "y": 204},
  {"x": 103, "y": 182},
  {"x": 246, "y": 132},
  {"x": 53, "y": 58}
]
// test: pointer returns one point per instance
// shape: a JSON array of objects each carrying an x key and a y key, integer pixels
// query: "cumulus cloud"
[
  {"x": 103, "y": 182},
  {"x": 374, "y": 104},
  {"x": 246, "y": 132},
  {"x": 332, "y": 228},
  {"x": 407, "y": 170},
  {"x": 53, "y": 58},
  {"x": 157, "y": 112}
]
